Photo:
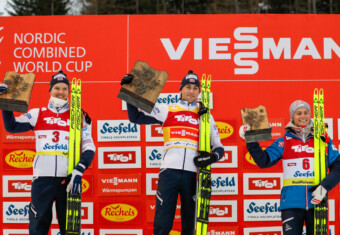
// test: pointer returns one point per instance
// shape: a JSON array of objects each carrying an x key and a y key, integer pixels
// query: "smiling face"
[
  {"x": 301, "y": 117},
  {"x": 190, "y": 93},
  {"x": 60, "y": 90}
]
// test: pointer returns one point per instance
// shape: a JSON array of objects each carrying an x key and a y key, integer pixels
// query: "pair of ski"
[
  {"x": 204, "y": 174},
  {"x": 320, "y": 162},
  {"x": 73, "y": 209}
]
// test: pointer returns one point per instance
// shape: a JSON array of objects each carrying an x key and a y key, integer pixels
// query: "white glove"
[
  {"x": 318, "y": 194},
  {"x": 243, "y": 130},
  {"x": 75, "y": 182}
]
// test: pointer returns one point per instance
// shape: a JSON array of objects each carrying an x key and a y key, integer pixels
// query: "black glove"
[
  {"x": 204, "y": 159},
  {"x": 203, "y": 109},
  {"x": 87, "y": 117},
  {"x": 127, "y": 79}
]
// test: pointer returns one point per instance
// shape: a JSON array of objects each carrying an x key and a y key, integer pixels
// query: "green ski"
[
  {"x": 320, "y": 163},
  {"x": 73, "y": 211},
  {"x": 204, "y": 174}
]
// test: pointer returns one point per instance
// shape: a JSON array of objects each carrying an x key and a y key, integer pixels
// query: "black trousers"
[
  {"x": 172, "y": 183},
  {"x": 46, "y": 190},
  {"x": 293, "y": 220}
]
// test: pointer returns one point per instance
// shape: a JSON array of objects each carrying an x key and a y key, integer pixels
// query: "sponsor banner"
[
  {"x": 262, "y": 183},
  {"x": 226, "y": 230},
  {"x": 278, "y": 127},
  {"x": 15, "y": 212},
  {"x": 171, "y": 98},
  {"x": 25, "y": 137},
  {"x": 15, "y": 231},
  {"x": 16, "y": 185},
  {"x": 262, "y": 210},
  {"x": 119, "y": 184},
  {"x": 248, "y": 161},
  {"x": 224, "y": 184},
  {"x": 86, "y": 213},
  {"x": 151, "y": 207},
  {"x": 154, "y": 133},
  {"x": 121, "y": 231},
  {"x": 128, "y": 212},
  {"x": 117, "y": 130},
  {"x": 84, "y": 231},
  {"x": 14, "y": 159},
  {"x": 154, "y": 156},
  {"x": 119, "y": 157},
  {"x": 229, "y": 160},
  {"x": 151, "y": 183},
  {"x": 223, "y": 211},
  {"x": 227, "y": 129},
  {"x": 277, "y": 230},
  {"x": 87, "y": 185}
]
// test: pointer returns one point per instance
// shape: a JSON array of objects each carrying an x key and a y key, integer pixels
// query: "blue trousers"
[
  {"x": 46, "y": 190},
  {"x": 172, "y": 183},
  {"x": 293, "y": 220}
]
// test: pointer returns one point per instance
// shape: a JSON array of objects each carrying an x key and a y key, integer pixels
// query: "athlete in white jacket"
[
  {"x": 180, "y": 159},
  {"x": 50, "y": 166}
]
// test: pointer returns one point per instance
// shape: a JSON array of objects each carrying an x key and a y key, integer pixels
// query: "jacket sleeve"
[
  {"x": 215, "y": 140},
  {"x": 270, "y": 156},
  {"x": 23, "y": 123},
  {"x": 157, "y": 116},
  {"x": 333, "y": 178},
  {"x": 88, "y": 148}
]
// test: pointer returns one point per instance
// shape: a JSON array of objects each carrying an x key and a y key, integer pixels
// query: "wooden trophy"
[
  {"x": 257, "y": 119},
  {"x": 19, "y": 91},
  {"x": 145, "y": 88}
]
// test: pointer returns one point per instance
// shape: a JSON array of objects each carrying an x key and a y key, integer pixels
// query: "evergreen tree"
[{"x": 38, "y": 7}]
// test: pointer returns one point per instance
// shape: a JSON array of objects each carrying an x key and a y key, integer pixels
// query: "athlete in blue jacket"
[{"x": 296, "y": 149}]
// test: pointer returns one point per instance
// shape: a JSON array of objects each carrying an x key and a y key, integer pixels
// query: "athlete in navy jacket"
[{"x": 296, "y": 149}]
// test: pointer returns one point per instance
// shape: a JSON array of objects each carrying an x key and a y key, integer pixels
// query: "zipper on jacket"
[
  {"x": 306, "y": 198},
  {"x": 165, "y": 154},
  {"x": 36, "y": 161},
  {"x": 185, "y": 153}
]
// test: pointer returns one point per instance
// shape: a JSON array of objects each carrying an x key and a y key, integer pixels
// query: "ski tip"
[
  {"x": 321, "y": 92},
  {"x": 316, "y": 91},
  {"x": 78, "y": 82},
  {"x": 204, "y": 76},
  {"x": 74, "y": 80},
  {"x": 209, "y": 77}
]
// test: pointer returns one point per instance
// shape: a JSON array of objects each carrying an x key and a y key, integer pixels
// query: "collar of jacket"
[
  {"x": 299, "y": 132},
  {"x": 185, "y": 104},
  {"x": 58, "y": 110}
]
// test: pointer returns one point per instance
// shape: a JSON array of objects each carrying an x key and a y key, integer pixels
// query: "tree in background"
[{"x": 38, "y": 7}]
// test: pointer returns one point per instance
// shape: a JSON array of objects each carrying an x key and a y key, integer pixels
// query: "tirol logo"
[
  {"x": 184, "y": 118},
  {"x": 224, "y": 129},
  {"x": 119, "y": 212},
  {"x": 85, "y": 185},
  {"x": 220, "y": 211},
  {"x": 58, "y": 121},
  {"x": 264, "y": 183},
  {"x": 304, "y": 148},
  {"x": 156, "y": 131},
  {"x": 19, "y": 186},
  {"x": 122, "y": 157},
  {"x": 20, "y": 158}
]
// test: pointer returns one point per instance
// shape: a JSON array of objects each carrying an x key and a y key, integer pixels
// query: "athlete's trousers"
[
  {"x": 293, "y": 220},
  {"x": 46, "y": 190},
  {"x": 172, "y": 182}
]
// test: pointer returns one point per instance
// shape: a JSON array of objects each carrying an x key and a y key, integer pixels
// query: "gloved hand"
[
  {"x": 127, "y": 79},
  {"x": 318, "y": 194},
  {"x": 243, "y": 130},
  {"x": 204, "y": 159},
  {"x": 324, "y": 137},
  {"x": 3, "y": 88},
  {"x": 74, "y": 186},
  {"x": 202, "y": 109}
]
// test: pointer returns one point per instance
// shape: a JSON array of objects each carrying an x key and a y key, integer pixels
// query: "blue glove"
[{"x": 75, "y": 186}]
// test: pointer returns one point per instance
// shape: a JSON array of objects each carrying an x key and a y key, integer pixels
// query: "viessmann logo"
[
  {"x": 224, "y": 129},
  {"x": 246, "y": 46},
  {"x": 119, "y": 212},
  {"x": 20, "y": 158}
]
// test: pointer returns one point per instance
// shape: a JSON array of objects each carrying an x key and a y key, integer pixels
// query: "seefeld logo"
[
  {"x": 168, "y": 99},
  {"x": 253, "y": 208},
  {"x": 130, "y": 128},
  {"x": 119, "y": 212},
  {"x": 20, "y": 158},
  {"x": 219, "y": 182},
  {"x": 14, "y": 211},
  {"x": 155, "y": 155},
  {"x": 224, "y": 129},
  {"x": 85, "y": 185},
  {"x": 55, "y": 147}
]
